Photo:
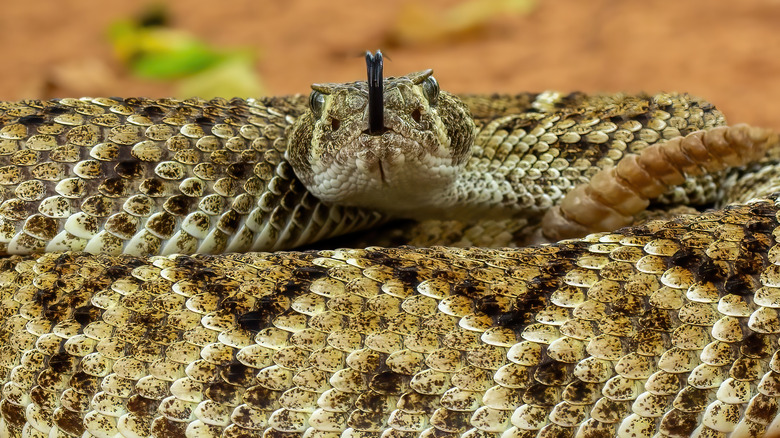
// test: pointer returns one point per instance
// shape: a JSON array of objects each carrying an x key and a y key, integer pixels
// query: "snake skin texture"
[
  {"x": 144, "y": 177},
  {"x": 669, "y": 328}
]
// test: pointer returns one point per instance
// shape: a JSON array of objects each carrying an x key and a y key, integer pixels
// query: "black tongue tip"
[{"x": 375, "y": 93}]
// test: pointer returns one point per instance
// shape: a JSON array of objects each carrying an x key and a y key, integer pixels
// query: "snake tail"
[{"x": 614, "y": 195}]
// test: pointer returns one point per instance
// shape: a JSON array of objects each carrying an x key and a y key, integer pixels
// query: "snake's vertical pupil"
[{"x": 375, "y": 93}]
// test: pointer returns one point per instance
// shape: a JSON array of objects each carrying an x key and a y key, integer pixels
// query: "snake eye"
[
  {"x": 431, "y": 89},
  {"x": 316, "y": 102}
]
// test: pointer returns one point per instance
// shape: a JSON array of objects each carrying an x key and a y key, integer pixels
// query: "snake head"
[{"x": 408, "y": 164}]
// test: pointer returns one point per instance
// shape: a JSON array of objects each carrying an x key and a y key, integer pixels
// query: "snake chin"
[{"x": 390, "y": 173}]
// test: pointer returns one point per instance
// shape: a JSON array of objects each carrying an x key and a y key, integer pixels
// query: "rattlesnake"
[{"x": 667, "y": 327}]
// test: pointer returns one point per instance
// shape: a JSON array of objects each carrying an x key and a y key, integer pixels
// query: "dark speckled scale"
[{"x": 314, "y": 343}]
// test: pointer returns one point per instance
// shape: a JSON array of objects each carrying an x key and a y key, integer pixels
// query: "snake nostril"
[
  {"x": 416, "y": 115},
  {"x": 335, "y": 124}
]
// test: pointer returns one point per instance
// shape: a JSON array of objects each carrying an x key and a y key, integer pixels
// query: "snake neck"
[{"x": 476, "y": 195}]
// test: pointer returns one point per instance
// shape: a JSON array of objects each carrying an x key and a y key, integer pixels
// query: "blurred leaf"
[
  {"x": 418, "y": 23},
  {"x": 153, "y": 51},
  {"x": 161, "y": 53},
  {"x": 177, "y": 63},
  {"x": 234, "y": 77}
]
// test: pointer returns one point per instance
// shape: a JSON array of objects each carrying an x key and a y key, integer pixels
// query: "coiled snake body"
[{"x": 108, "y": 329}]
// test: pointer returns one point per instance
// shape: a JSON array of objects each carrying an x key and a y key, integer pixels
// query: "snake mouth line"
[{"x": 381, "y": 172}]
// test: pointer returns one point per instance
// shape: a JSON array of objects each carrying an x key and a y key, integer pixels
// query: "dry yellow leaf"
[{"x": 418, "y": 23}]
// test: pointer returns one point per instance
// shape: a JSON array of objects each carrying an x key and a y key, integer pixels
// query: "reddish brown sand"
[{"x": 728, "y": 52}]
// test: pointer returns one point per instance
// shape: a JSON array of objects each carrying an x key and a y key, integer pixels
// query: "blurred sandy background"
[{"x": 728, "y": 52}]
